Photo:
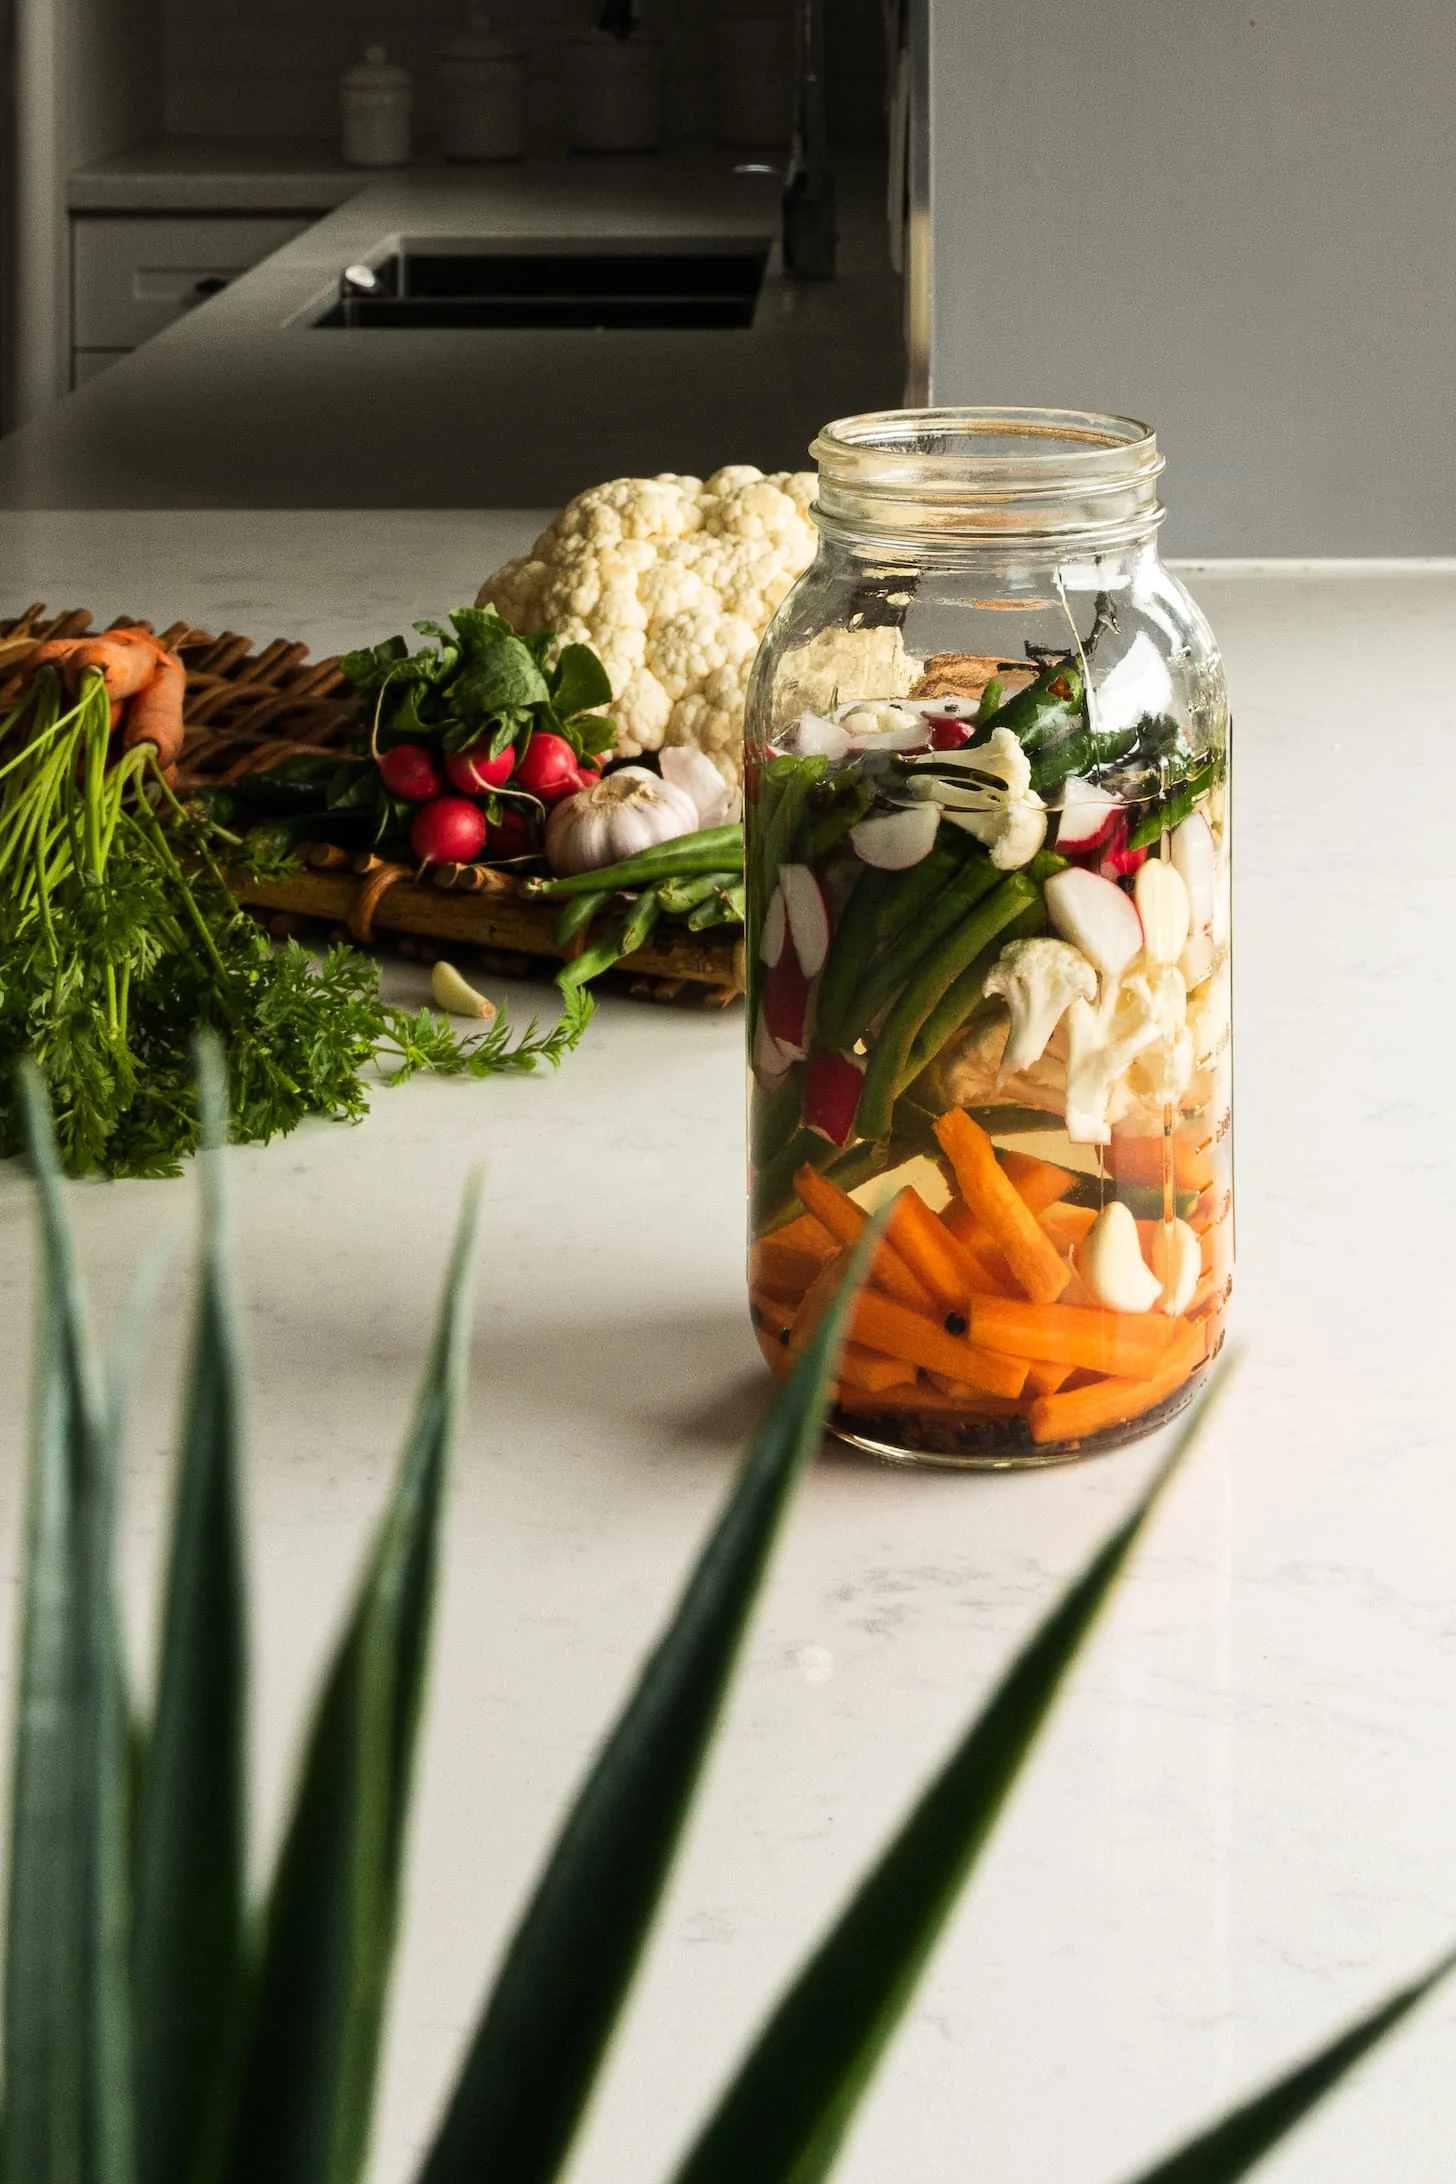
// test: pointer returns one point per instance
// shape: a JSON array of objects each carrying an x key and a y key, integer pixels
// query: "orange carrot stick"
[
  {"x": 868, "y": 1370},
  {"x": 816, "y": 1301},
  {"x": 1132, "y": 1344},
  {"x": 878, "y": 1324},
  {"x": 924, "y": 1397},
  {"x": 782, "y": 1270},
  {"x": 987, "y": 1364},
  {"x": 1067, "y": 1225},
  {"x": 947, "y": 1269},
  {"x": 1034, "y": 1261},
  {"x": 1085, "y": 1411},
  {"x": 844, "y": 1219},
  {"x": 804, "y": 1233},
  {"x": 771, "y": 1314},
  {"x": 1040, "y": 1182},
  {"x": 1044, "y": 1378},
  {"x": 1140, "y": 1160}
]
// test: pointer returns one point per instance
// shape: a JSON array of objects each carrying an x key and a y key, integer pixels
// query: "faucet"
[{"x": 809, "y": 225}]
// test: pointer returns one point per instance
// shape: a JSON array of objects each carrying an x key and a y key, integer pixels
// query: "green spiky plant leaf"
[{"x": 155, "y": 2035}]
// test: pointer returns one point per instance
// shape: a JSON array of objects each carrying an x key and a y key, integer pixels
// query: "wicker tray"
[{"x": 246, "y": 710}]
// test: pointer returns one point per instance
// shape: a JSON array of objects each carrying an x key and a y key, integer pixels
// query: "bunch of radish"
[{"x": 453, "y": 828}]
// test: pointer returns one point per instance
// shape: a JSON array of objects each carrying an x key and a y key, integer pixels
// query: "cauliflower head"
[{"x": 672, "y": 581}]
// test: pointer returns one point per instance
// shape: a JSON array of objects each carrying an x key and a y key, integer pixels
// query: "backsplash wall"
[{"x": 271, "y": 67}]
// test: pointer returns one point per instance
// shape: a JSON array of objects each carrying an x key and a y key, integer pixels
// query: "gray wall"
[{"x": 1237, "y": 221}]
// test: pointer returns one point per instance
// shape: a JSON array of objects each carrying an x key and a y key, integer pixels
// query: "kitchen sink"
[{"x": 664, "y": 285}]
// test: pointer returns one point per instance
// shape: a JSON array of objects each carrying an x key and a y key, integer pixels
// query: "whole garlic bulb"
[{"x": 626, "y": 811}]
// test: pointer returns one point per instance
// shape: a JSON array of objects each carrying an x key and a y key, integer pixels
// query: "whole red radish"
[
  {"x": 548, "y": 769},
  {"x": 449, "y": 831},
  {"x": 512, "y": 835},
  {"x": 409, "y": 770},
  {"x": 474, "y": 771}
]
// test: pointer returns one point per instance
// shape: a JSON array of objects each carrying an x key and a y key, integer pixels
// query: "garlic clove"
[
  {"x": 1178, "y": 1258},
  {"x": 1162, "y": 905},
  {"x": 457, "y": 997},
  {"x": 1111, "y": 1263}
]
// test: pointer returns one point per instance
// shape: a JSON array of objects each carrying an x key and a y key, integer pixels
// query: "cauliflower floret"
[
  {"x": 1038, "y": 980},
  {"x": 672, "y": 581},
  {"x": 988, "y": 792}
]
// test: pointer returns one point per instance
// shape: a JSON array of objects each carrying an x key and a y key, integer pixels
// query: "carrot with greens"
[
  {"x": 986, "y": 1188},
  {"x": 1131, "y": 1344}
]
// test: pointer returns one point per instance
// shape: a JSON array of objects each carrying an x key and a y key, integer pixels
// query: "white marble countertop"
[
  {"x": 244, "y": 402},
  {"x": 1239, "y": 1828}
]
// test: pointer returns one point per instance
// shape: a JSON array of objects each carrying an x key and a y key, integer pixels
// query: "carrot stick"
[
  {"x": 1038, "y": 1269},
  {"x": 1040, "y": 1182},
  {"x": 1067, "y": 1225},
  {"x": 816, "y": 1301},
  {"x": 1085, "y": 1411},
  {"x": 770, "y": 1314},
  {"x": 782, "y": 1270},
  {"x": 1140, "y": 1160},
  {"x": 804, "y": 1233},
  {"x": 1044, "y": 1378},
  {"x": 844, "y": 1219},
  {"x": 878, "y": 1324},
  {"x": 867, "y": 1370},
  {"x": 947, "y": 1269},
  {"x": 950, "y": 1384},
  {"x": 1132, "y": 1344}
]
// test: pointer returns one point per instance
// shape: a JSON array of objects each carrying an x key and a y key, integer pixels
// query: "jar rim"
[{"x": 979, "y": 471}]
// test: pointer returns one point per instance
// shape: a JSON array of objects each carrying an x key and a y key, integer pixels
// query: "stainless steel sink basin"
[{"x": 699, "y": 284}]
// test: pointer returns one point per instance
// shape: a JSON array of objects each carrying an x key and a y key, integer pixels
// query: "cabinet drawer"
[{"x": 130, "y": 278}]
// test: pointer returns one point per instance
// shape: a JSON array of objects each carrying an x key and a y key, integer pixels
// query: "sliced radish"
[
  {"x": 1087, "y": 819},
  {"x": 816, "y": 737},
  {"x": 1096, "y": 917},
  {"x": 832, "y": 1086},
  {"x": 1196, "y": 859},
  {"x": 1117, "y": 861},
  {"x": 775, "y": 930},
  {"x": 770, "y": 1063},
  {"x": 893, "y": 840},
  {"x": 808, "y": 915},
  {"x": 786, "y": 1004},
  {"x": 1162, "y": 908}
]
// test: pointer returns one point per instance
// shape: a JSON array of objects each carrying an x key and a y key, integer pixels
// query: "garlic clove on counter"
[
  {"x": 1111, "y": 1263},
  {"x": 457, "y": 997}
]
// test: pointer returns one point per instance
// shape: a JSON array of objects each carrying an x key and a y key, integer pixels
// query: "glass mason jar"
[{"x": 988, "y": 942}]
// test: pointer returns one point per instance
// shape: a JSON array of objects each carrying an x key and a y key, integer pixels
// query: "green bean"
[
  {"x": 783, "y": 787},
  {"x": 724, "y": 907},
  {"x": 824, "y": 830},
  {"x": 712, "y": 849},
  {"x": 679, "y": 896},
  {"x": 577, "y": 914},
  {"x": 628, "y": 934},
  {"x": 774, "y": 1198},
  {"x": 639, "y": 922},
  {"x": 1176, "y": 808},
  {"x": 991, "y": 698},
  {"x": 1040, "y": 712},
  {"x": 901, "y": 962},
  {"x": 1016, "y": 893},
  {"x": 860, "y": 925},
  {"x": 776, "y": 1116}
]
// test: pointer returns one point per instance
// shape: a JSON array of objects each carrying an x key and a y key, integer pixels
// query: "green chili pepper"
[
  {"x": 1080, "y": 754},
  {"x": 712, "y": 849},
  {"x": 1015, "y": 894},
  {"x": 991, "y": 698},
  {"x": 679, "y": 896},
  {"x": 578, "y": 913},
  {"x": 900, "y": 963},
  {"x": 1176, "y": 808},
  {"x": 1042, "y": 711}
]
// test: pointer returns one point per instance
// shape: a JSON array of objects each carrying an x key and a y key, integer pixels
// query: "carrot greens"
[{"x": 119, "y": 942}]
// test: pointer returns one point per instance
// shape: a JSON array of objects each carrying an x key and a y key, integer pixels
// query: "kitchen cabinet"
[{"x": 131, "y": 277}]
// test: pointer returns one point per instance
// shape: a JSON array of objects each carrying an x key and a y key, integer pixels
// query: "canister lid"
[
  {"x": 376, "y": 72},
  {"x": 477, "y": 42}
]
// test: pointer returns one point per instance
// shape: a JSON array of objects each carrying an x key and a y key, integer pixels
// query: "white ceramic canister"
[
  {"x": 614, "y": 92},
  {"x": 376, "y": 98},
  {"x": 483, "y": 94}
]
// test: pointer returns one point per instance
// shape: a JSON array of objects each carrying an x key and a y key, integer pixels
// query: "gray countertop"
[
  {"x": 218, "y": 174},
  {"x": 244, "y": 403}
]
